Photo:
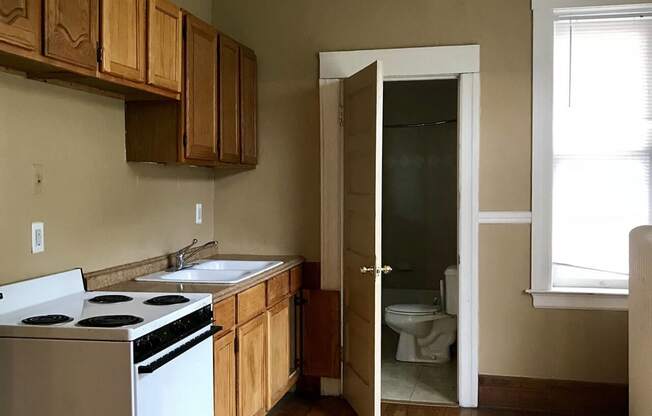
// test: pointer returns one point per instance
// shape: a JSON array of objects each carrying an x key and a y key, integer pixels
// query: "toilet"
[{"x": 425, "y": 332}]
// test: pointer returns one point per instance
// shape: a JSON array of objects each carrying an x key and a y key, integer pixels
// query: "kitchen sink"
[
  {"x": 227, "y": 272},
  {"x": 247, "y": 265}
]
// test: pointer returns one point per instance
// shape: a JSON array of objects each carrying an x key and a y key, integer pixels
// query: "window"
[{"x": 592, "y": 148}]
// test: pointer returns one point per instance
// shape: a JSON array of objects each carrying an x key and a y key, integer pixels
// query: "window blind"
[{"x": 601, "y": 147}]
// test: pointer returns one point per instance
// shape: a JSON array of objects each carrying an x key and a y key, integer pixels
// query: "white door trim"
[{"x": 463, "y": 63}]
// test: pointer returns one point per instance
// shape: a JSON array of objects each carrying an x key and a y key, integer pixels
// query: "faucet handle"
[{"x": 194, "y": 241}]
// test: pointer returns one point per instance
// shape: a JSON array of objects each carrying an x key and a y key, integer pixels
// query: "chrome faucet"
[{"x": 186, "y": 253}]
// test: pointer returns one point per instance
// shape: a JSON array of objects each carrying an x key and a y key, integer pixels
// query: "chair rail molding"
[{"x": 505, "y": 217}]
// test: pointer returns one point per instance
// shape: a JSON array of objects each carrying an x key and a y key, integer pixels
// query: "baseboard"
[{"x": 552, "y": 397}]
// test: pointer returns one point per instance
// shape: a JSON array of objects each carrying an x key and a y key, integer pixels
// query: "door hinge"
[
  {"x": 185, "y": 140},
  {"x": 340, "y": 115},
  {"x": 236, "y": 344},
  {"x": 300, "y": 300},
  {"x": 298, "y": 363},
  {"x": 100, "y": 53},
  {"x": 341, "y": 353}
]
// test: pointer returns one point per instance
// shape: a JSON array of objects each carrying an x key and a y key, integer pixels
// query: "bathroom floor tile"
[
  {"x": 397, "y": 389},
  {"x": 415, "y": 382}
]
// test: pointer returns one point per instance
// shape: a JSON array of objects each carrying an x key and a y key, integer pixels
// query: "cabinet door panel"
[
  {"x": 225, "y": 378},
  {"x": 71, "y": 31},
  {"x": 20, "y": 23},
  {"x": 278, "y": 352},
  {"x": 251, "y": 368},
  {"x": 201, "y": 90},
  {"x": 248, "y": 103},
  {"x": 229, "y": 119},
  {"x": 164, "y": 32},
  {"x": 123, "y": 38}
]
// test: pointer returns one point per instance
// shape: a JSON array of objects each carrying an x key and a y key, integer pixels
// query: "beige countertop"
[{"x": 218, "y": 291}]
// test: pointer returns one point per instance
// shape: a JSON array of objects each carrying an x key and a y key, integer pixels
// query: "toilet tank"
[{"x": 452, "y": 289}]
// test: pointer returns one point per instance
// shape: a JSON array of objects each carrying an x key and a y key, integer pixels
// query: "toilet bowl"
[{"x": 425, "y": 332}]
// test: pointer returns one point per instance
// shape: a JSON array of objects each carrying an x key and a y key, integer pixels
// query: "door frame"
[{"x": 441, "y": 62}]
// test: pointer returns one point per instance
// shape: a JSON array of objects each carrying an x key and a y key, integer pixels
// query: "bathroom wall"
[
  {"x": 99, "y": 210},
  {"x": 419, "y": 183}
]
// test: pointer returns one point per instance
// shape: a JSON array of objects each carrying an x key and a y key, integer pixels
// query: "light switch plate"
[
  {"x": 38, "y": 237},
  {"x": 198, "y": 213}
]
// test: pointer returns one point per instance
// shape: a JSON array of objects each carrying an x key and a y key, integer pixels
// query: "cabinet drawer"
[
  {"x": 251, "y": 302},
  {"x": 224, "y": 314},
  {"x": 277, "y": 288},
  {"x": 296, "y": 278}
]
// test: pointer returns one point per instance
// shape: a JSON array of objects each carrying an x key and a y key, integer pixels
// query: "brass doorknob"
[
  {"x": 386, "y": 269},
  {"x": 365, "y": 269}
]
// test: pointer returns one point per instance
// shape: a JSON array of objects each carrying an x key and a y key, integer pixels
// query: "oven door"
[{"x": 178, "y": 381}]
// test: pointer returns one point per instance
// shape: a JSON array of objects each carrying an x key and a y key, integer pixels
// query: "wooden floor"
[{"x": 294, "y": 405}]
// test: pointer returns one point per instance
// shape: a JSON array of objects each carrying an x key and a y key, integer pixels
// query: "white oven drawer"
[{"x": 177, "y": 381}]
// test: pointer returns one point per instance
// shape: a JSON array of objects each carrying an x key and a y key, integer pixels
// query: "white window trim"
[{"x": 543, "y": 294}]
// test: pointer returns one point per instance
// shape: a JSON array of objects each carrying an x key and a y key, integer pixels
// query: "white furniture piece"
[
  {"x": 425, "y": 332},
  {"x": 68, "y": 352},
  {"x": 640, "y": 321}
]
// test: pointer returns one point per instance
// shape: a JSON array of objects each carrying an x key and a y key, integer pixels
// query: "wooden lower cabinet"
[
  {"x": 251, "y": 367},
  {"x": 257, "y": 354},
  {"x": 224, "y": 362},
  {"x": 278, "y": 351}
]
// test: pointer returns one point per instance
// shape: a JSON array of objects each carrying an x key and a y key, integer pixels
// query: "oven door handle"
[{"x": 160, "y": 362}]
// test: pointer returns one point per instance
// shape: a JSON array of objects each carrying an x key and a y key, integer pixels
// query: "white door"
[{"x": 363, "y": 110}]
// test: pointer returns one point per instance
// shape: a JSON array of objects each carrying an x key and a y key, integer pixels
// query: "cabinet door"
[
  {"x": 229, "y": 119},
  {"x": 20, "y": 23},
  {"x": 164, "y": 31},
  {"x": 123, "y": 38},
  {"x": 278, "y": 352},
  {"x": 71, "y": 31},
  {"x": 200, "y": 90},
  {"x": 248, "y": 105},
  {"x": 225, "y": 379},
  {"x": 251, "y": 368}
]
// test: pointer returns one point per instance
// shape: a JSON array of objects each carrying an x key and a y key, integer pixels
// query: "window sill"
[{"x": 580, "y": 298}]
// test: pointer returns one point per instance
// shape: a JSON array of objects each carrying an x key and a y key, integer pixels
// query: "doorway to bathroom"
[{"x": 420, "y": 241}]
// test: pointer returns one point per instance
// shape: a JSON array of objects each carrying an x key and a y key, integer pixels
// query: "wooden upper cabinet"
[
  {"x": 20, "y": 24},
  {"x": 123, "y": 38},
  {"x": 229, "y": 102},
  {"x": 248, "y": 103},
  {"x": 164, "y": 32},
  {"x": 71, "y": 32},
  {"x": 200, "y": 90}
]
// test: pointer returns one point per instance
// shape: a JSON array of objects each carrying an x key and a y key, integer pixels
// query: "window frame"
[{"x": 545, "y": 12}]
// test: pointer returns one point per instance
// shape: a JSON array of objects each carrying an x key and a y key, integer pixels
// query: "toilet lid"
[{"x": 414, "y": 309}]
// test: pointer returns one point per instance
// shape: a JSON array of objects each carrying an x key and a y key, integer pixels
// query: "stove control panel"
[{"x": 160, "y": 339}]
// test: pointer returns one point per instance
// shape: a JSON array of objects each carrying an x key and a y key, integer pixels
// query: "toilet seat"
[{"x": 413, "y": 309}]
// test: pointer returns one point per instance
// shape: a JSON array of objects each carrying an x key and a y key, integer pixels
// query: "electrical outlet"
[
  {"x": 38, "y": 238},
  {"x": 198, "y": 213}
]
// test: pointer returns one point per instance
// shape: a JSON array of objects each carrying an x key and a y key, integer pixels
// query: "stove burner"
[
  {"x": 110, "y": 321},
  {"x": 47, "y": 319},
  {"x": 167, "y": 300},
  {"x": 110, "y": 299}
]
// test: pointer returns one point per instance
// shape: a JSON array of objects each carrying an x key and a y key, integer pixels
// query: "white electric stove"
[{"x": 65, "y": 351}]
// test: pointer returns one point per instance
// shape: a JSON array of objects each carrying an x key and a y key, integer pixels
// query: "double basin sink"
[{"x": 225, "y": 272}]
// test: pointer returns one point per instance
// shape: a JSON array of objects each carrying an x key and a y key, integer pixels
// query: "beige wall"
[
  {"x": 276, "y": 207},
  {"x": 98, "y": 210}
]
